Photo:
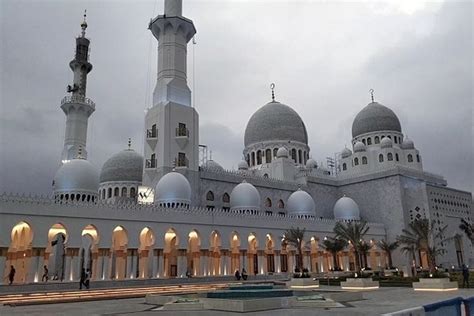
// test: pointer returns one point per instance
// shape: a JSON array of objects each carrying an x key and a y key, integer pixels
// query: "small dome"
[
  {"x": 408, "y": 144},
  {"x": 301, "y": 203},
  {"x": 359, "y": 146},
  {"x": 346, "y": 152},
  {"x": 212, "y": 165},
  {"x": 243, "y": 165},
  {"x": 386, "y": 142},
  {"x": 282, "y": 152},
  {"x": 311, "y": 164},
  {"x": 78, "y": 176},
  {"x": 126, "y": 165},
  {"x": 375, "y": 117},
  {"x": 275, "y": 121},
  {"x": 172, "y": 188},
  {"x": 346, "y": 209},
  {"x": 245, "y": 196}
]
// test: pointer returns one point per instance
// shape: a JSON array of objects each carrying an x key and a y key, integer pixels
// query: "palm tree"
[
  {"x": 363, "y": 248},
  {"x": 422, "y": 236},
  {"x": 468, "y": 229},
  {"x": 334, "y": 245},
  {"x": 388, "y": 247},
  {"x": 295, "y": 237},
  {"x": 352, "y": 232}
]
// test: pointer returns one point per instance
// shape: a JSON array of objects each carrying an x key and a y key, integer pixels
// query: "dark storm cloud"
[{"x": 324, "y": 57}]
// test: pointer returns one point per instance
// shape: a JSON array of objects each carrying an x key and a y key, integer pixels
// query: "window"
[
  {"x": 132, "y": 193},
  {"x": 268, "y": 202},
  {"x": 364, "y": 160},
  {"x": 417, "y": 158},
  {"x": 275, "y": 150},
  {"x": 269, "y": 213},
  {"x": 395, "y": 139},
  {"x": 103, "y": 194},
  {"x": 363, "y": 141},
  {"x": 116, "y": 192},
  {"x": 397, "y": 158},
  {"x": 248, "y": 159},
  {"x": 284, "y": 263},
  {"x": 124, "y": 191},
  {"x": 210, "y": 196},
  {"x": 410, "y": 158},
  {"x": 380, "y": 158},
  {"x": 109, "y": 195},
  {"x": 226, "y": 198},
  {"x": 344, "y": 166},
  {"x": 389, "y": 156},
  {"x": 356, "y": 161},
  {"x": 281, "y": 204},
  {"x": 181, "y": 130},
  {"x": 268, "y": 155},
  {"x": 253, "y": 158},
  {"x": 300, "y": 156},
  {"x": 259, "y": 157},
  {"x": 293, "y": 154},
  {"x": 377, "y": 140},
  {"x": 182, "y": 160},
  {"x": 369, "y": 141}
]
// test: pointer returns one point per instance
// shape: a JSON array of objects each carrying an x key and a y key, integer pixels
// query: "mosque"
[{"x": 168, "y": 212}]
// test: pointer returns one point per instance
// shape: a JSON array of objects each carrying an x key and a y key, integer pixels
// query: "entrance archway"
[
  {"x": 193, "y": 253},
  {"x": 145, "y": 253},
  {"x": 55, "y": 253},
  {"x": 119, "y": 253},
  {"x": 252, "y": 254},
  {"x": 20, "y": 251},
  {"x": 215, "y": 254},
  {"x": 170, "y": 254},
  {"x": 269, "y": 254},
  {"x": 235, "y": 252}
]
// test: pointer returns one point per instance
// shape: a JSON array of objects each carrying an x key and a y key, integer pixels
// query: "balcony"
[
  {"x": 182, "y": 132},
  {"x": 151, "y": 133},
  {"x": 181, "y": 163},
  {"x": 150, "y": 163},
  {"x": 77, "y": 99}
]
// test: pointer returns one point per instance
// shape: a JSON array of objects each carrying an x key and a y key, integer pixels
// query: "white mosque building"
[{"x": 162, "y": 214}]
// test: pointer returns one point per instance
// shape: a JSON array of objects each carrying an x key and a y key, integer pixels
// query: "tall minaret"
[
  {"x": 172, "y": 125},
  {"x": 77, "y": 107}
]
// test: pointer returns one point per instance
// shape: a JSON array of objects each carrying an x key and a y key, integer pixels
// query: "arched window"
[
  {"x": 210, "y": 196},
  {"x": 268, "y": 155},
  {"x": 226, "y": 198},
  {"x": 380, "y": 158},
  {"x": 103, "y": 193},
  {"x": 376, "y": 140},
  {"x": 110, "y": 193},
  {"x": 344, "y": 166},
  {"x": 293, "y": 154},
  {"x": 248, "y": 159},
  {"x": 417, "y": 158},
  {"x": 281, "y": 204},
  {"x": 116, "y": 191},
  {"x": 132, "y": 192},
  {"x": 395, "y": 139},
  {"x": 124, "y": 191},
  {"x": 259, "y": 157},
  {"x": 364, "y": 160},
  {"x": 396, "y": 157},
  {"x": 389, "y": 137},
  {"x": 253, "y": 158},
  {"x": 410, "y": 158},
  {"x": 356, "y": 161},
  {"x": 369, "y": 141},
  {"x": 363, "y": 141},
  {"x": 389, "y": 156},
  {"x": 268, "y": 202},
  {"x": 300, "y": 156},
  {"x": 275, "y": 152}
]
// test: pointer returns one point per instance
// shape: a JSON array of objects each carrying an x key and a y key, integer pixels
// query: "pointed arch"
[{"x": 145, "y": 253}]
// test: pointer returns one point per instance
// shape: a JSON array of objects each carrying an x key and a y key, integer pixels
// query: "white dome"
[
  {"x": 386, "y": 142},
  {"x": 311, "y": 164},
  {"x": 346, "y": 209},
  {"x": 172, "y": 190},
  {"x": 408, "y": 144},
  {"x": 212, "y": 165},
  {"x": 301, "y": 203},
  {"x": 78, "y": 176},
  {"x": 282, "y": 152},
  {"x": 346, "y": 152},
  {"x": 245, "y": 196},
  {"x": 243, "y": 165},
  {"x": 359, "y": 146}
]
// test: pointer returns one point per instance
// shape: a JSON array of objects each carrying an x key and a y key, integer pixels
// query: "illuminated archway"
[
  {"x": 119, "y": 253},
  {"x": 145, "y": 253},
  {"x": 55, "y": 253},
  {"x": 269, "y": 254},
  {"x": 88, "y": 253},
  {"x": 20, "y": 252},
  {"x": 215, "y": 254},
  {"x": 252, "y": 254},
  {"x": 194, "y": 252},
  {"x": 235, "y": 252},
  {"x": 170, "y": 254}
]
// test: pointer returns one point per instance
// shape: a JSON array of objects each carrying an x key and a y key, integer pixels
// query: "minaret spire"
[{"x": 77, "y": 107}]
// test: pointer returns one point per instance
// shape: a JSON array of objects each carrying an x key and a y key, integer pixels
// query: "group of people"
[{"x": 242, "y": 275}]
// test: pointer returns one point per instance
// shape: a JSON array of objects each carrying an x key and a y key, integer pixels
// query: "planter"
[
  {"x": 435, "y": 285},
  {"x": 302, "y": 283},
  {"x": 359, "y": 284}
]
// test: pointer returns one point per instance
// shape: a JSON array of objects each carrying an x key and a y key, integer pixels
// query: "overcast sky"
[{"x": 323, "y": 56}]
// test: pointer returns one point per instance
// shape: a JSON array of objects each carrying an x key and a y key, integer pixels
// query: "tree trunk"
[
  {"x": 334, "y": 256},
  {"x": 389, "y": 255},
  {"x": 357, "y": 261}
]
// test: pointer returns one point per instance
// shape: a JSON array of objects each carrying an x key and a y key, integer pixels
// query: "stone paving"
[{"x": 376, "y": 302}]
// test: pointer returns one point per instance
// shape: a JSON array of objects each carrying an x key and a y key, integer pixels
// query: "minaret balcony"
[
  {"x": 77, "y": 99},
  {"x": 150, "y": 163},
  {"x": 181, "y": 162},
  {"x": 151, "y": 133},
  {"x": 182, "y": 132}
]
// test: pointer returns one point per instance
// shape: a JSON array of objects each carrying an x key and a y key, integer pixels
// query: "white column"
[
  {"x": 277, "y": 262},
  {"x": 106, "y": 265},
  {"x": 204, "y": 263},
  {"x": 154, "y": 263},
  {"x": 261, "y": 260},
  {"x": 134, "y": 257},
  {"x": 129, "y": 264},
  {"x": 320, "y": 263}
]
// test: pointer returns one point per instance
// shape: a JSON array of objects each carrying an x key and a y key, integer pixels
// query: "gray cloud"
[{"x": 323, "y": 57}]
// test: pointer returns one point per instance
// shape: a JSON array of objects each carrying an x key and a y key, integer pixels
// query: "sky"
[{"x": 323, "y": 57}]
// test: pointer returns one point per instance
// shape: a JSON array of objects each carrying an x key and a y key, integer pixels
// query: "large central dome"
[
  {"x": 373, "y": 118},
  {"x": 275, "y": 121}
]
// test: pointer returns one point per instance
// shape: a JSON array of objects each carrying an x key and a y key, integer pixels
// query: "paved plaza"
[{"x": 375, "y": 302}]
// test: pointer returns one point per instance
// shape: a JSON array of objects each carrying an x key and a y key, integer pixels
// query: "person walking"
[
  {"x": 11, "y": 275},
  {"x": 237, "y": 275},
  {"x": 45, "y": 277},
  {"x": 244, "y": 274},
  {"x": 82, "y": 279},
  {"x": 465, "y": 276},
  {"x": 88, "y": 279}
]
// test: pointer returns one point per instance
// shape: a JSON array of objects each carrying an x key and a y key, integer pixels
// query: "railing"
[
  {"x": 180, "y": 132},
  {"x": 181, "y": 162},
  {"x": 151, "y": 133},
  {"x": 77, "y": 99},
  {"x": 150, "y": 163}
]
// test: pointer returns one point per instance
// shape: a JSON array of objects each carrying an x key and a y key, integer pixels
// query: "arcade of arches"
[{"x": 173, "y": 259}]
